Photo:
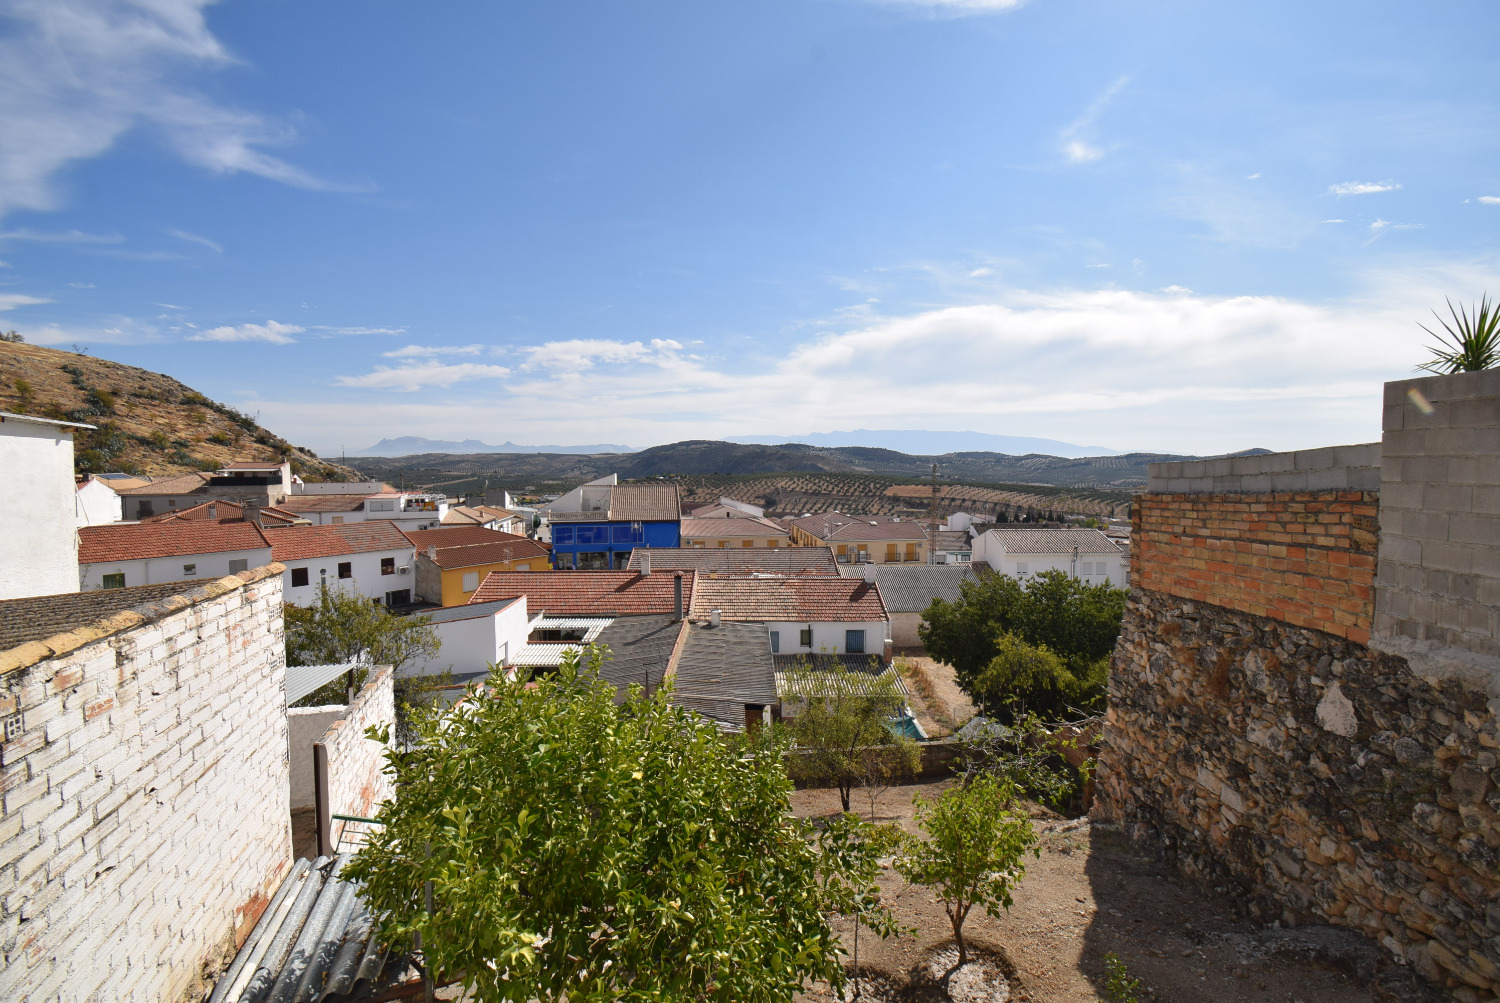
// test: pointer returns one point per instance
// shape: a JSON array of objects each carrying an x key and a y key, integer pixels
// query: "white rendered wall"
[
  {"x": 472, "y": 645},
  {"x": 156, "y": 570},
  {"x": 97, "y": 504},
  {"x": 828, "y": 636},
  {"x": 39, "y": 548},
  {"x": 367, "y": 580},
  {"x": 987, "y": 549}
]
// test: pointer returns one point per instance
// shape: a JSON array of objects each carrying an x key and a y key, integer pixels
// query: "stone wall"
[
  {"x": 357, "y": 782},
  {"x": 145, "y": 817}
]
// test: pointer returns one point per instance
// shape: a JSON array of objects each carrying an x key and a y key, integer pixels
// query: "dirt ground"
[
  {"x": 940, "y": 706},
  {"x": 1090, "y": 894}
]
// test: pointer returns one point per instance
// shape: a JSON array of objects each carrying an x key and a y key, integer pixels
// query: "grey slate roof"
[
  {"x": 723, "y": 668},
  {"x": 445, "y": 614},
  {"x": 1053, "y": 541},
  {"x": 640, "y": 648},
  {"x": 910, "y": 588},
  {"x": 744, "y": 560}
]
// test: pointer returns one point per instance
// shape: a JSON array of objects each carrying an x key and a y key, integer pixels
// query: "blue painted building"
[{"x": 598, "y": 524}]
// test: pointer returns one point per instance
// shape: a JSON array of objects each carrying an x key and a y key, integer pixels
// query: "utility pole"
[{"x": 932, "y": 520}]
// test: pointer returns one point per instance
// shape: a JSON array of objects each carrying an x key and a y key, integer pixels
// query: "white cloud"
[
  {"x": 171, "y": 306},
  {"x": 1333, "y": 221},
  {"x": 1253, "y": 176},
  {"x": 1489, "y": 200},
  {"x": 330, "y": 331},
  {"x": 980, "y": 273},
  {"x": 1361, "y": 188},
  {"x": 957, "y": 7},
  {"x": 423, "y": 375},
  {"x": 1077, "y": 146},
  {"x": 80, "y": 285},
  {"x": 580, "y": 354},
  {"x": 430, "y": 351},
  {"x": 193, "y": 238},
  {"x": 118, "y": 331},
  {"x": 271, "y": 331},
  {"x": 9, "y": 301},
  {"x": 1381, "y": 227},
  {"x": 75, "y": 75},
  {"x": 53, "y": 236}
]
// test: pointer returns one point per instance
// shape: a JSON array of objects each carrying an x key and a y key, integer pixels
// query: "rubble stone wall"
[
  {"x": 1315, "y": 778},
  {"x": 145, "y": 820}
]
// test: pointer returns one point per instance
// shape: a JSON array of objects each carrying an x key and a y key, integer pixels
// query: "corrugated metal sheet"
[
  {"x": 316, "y": 941},
  {"x": 542, "y": 654},
  {"x": 304, "y": 679}
]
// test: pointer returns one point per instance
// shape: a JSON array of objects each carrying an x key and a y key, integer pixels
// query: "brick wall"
[
  {"x": 145, "y": 803},
  {"x": 357, "y": 782}
]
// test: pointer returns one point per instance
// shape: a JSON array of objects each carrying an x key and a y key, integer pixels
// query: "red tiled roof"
[
  {"x": 226, "y": 511},
  {"x": 323, "y": 503},
  {"x": 125, "y": 541},
  {"x": 748, "y": 527},
  {"x": 803, "y": 598},
  {"x": 587, "y": 593},
  {"x": 475, "y": 554},
  {"x": 863, "y": 531},
  {"x": 458, "y": 536},
  {"x": 305, "y": 543}
]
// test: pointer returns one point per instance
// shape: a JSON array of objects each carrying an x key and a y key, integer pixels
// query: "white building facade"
[
  {"x": 474, "y": 637},
  {"x": 39, "y": 549},
  {"x": 1085, "y": 554},
  {"x": 118, "y": 574}
]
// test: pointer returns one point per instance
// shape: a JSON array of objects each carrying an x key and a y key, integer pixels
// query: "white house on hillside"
[
  {"x": 150, "y": 553},
  {"x": 39, "y": 548},
  {"x": 1086, "y": 554},
  {"x": 371, "y": 558}
]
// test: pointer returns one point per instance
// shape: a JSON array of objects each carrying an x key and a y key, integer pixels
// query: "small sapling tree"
[
  {"x": 974, "y": 851},
  {"x": 585, "y": 851},
  {"x": 841, "y": 728}
]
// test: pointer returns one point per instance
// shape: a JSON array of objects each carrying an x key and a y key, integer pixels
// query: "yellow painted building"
[
  {"x": 733, "y": 533},
  {"x": 450, "y": 575},
  {"x": 863, "y": 539}
]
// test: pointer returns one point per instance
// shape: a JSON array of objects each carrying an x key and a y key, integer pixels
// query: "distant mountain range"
[
  {"x": 406, "y": 445},
  {"x": 699, "y": 457},
  {"x": 927, "y": 443}
]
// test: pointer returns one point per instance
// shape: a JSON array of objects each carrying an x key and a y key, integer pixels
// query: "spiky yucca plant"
[{"x": 1470, "y": 344}]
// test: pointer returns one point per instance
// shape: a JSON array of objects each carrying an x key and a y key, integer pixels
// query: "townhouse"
[
  {"x": 451, "y": 562},
  {"x": 1021, "y": 552},
  {"x": 723, "y": 533},
  {"x": 372, "y": 559},
  {"x": 265, "y": 481},
  {"x": 858, "y": 539},
  {"x": 127, "y": 554},
  {"x": 802, "y": 613},
  {"x": 596, "y": 525},
  {"x": 908, "y": 589},
  {"x": 486, "y": 517}
]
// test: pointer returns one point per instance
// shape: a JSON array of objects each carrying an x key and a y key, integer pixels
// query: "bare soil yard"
[{"x": 1091, "y": 893}]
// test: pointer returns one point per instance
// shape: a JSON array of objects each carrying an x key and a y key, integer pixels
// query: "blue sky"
[{"x": 1184, "y": 226}]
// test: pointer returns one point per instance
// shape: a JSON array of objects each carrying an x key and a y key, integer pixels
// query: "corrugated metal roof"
[
  {"x": 864, "y": 670},
  {"x": 570, "y": 622},
  {"x": 316, "y": 940},
  {"x": 542, "y": 654},
  {"x": 910, "y": 588},
  {"x": 304, "y": 679}
]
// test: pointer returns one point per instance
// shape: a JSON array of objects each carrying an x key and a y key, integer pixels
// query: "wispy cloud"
[
  {"x": 956, "y": 8},
  {"x": 1361, "y": 188},
  {"x": 1489, "y": 200},
  {"x": 9, "y": 301},
  {"x": 116, "y": 331},
  {"x": 171, "y": 306},
  {"x": 54, "y": 236},
  {"x": 1381, "y": 227},
  {"x": 193, "y": 238},
  {"x": 431, "y": 351},
  {"x": 1333, "y": 221},
  {"x": 1077, "y": 139},
  {"x": 423, "y": 375},
  {"x": 271, "y": 331},
  {"x": 328, "y": 331},
  {"x": 80, "y": 285},
  {"x": 76, "y": 75},
  {"x": 584, "y": 353}
]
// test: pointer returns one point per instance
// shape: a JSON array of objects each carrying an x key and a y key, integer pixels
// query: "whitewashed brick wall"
[
  {"x": 357, "y": 782},
  {"x": 145, "y": 819}
]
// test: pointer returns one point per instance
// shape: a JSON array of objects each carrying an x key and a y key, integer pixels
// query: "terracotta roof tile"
[
  {"x": 306, "y": 543},
  {"x": 134, "y": 541},
  {"x": 182, "y": 484},
  {"x": 458, "y": 536},
  {"x": 323, "y": 503},
  {"x": 223, "y": 510},
  {"x": 742, "y": 560},
  {"x": 632, "y": 503},
  {"x": 476, "y": 554},
  {"x": 1053, "y": 541},
  {"x": 588, "y": 593},
  {"x": 802, "y": 597},
  {"x": 749, "y": 528}
]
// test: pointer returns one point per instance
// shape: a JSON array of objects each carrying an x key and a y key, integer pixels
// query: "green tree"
[
  {"x": 1078, "y": 622},
  {"x": 974, "y": 851},
  {"x": 841, "y": 729},
  {"x": 343, "y": 626},
  {"x": 852, "y": 850},
  {"x": 1470, "y": 344},
  {"x": 1025, "y": 679},
  {"x": 582, "y": 850}
]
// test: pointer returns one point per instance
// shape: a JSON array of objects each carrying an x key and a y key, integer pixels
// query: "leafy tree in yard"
[
  {"x": 841, "y": 731},
  {"x": 1024, "y": 679},
  {"x": 345, "y": 627},
  {"x": 586, "y": 851},
  {"x": 974, "y": 851}
]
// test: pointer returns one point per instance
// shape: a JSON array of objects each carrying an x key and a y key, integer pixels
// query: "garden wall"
[{"x": 1255, "y": 733}]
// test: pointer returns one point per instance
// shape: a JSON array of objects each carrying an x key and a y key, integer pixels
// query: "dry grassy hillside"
[
  {"x": 147, "y": 423},
  {"x": 865, "y": 494}
]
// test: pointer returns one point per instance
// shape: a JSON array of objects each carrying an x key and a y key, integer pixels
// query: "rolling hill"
[{"x": 146, "y": 423}]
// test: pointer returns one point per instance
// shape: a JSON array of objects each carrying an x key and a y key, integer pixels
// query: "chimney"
[
  {"x": 645, "y": 563},
  {"x": 677, "y": 597},
  {"x": 251, "y": 507},
  {"x": 869, "y": 574},
  {"x": 432, "y": 553},
  {"x": 713, "y": 618},
  {"x": 213, "y": 511}
]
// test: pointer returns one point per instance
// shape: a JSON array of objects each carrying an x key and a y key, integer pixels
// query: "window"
[
  {"x": 337, "y": 520},
  {"x": 299, "y": 577},
  {"x": 854, "y": 642},
  {"x": 723, "y": 544},
  {"x": 770, "y": 543},
  {"x": 911, "y": 551},
  {"x": 380, "y": 506},
  {"x": 524, "y": 566},
  {"x": 747, "y": 543},
  {"x": 775, "y": 640},
  {"x": 237, "y": 565},
  {"x": 1022, "y": 567},
  {"x": 117, "y": 581},
  {"x": 145, "y": 510},
  {"x": 471, "y": 581},
  {"x": 804, "y": 637},
  {"x": 387, "y": 565},
  {"x": 346, "y": 569},
  {"x": 190, "y": 569}
]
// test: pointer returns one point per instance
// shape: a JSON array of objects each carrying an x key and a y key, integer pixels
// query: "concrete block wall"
[
  {"x": 1439, "y": 587},
  {"x": 144, "y": 821},
  {"x": 1330, "y": 468},
  {"x": 1306, "y": 558},
  {"x": 357, "y": 781}
]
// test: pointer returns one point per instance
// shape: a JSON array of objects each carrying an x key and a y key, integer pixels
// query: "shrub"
[{"x": 1027, "y": 679}]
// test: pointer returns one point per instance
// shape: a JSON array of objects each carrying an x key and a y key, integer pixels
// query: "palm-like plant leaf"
[{"x": 1469, "y": 344}]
